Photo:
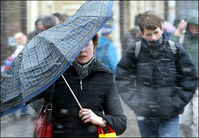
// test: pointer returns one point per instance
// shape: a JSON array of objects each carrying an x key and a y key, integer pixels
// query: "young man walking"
[
  {"x": 187, "y": 35},
  {"x": 156, "y": 78}
]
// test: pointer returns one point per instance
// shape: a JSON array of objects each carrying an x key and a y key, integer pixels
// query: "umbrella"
[{"x": 48, "y": 55}]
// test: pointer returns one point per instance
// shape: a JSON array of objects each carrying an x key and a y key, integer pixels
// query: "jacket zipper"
[
  {"x": 154, "y": 107},
  {"x": 81, "y": 85},
  {"x": 153, "y": 70}
]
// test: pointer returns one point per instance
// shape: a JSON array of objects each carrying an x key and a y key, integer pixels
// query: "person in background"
[
  {"x": 176, "y": 22},
  {"x": 41, "y": 24},
  {"x": 132, "y": 36},
  {"x": 47, "y": 23},
  {"x": 158, "y": 81},
  {"x": 21, "y": 40},
  {"x": 38, "y": 28},
  {"x": 106, "y": 51},
  {"x": 7, "y": 62},
  {"x": 187, "y": 35},
  {"x": 169, "y": 29},
  {"x": 59, "y": 18},
  {"x": 65, "y": 16}
]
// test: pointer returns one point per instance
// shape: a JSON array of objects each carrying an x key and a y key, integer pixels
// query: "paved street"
[
  {"x": 132, "y": 128},
  {"x": 23, "y": 127},
  {"x": 19, "y": 127}
]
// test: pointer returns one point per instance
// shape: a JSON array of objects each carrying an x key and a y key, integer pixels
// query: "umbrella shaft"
[{"x": 72, "y": 92}]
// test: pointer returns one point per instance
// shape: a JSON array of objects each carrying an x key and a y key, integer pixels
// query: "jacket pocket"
[{"x": 167, "y": 109}]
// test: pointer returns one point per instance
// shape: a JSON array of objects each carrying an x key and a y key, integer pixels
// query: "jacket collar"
[
  {"x": 154, "y": 51},
  {"x": 95, "y": 66}
]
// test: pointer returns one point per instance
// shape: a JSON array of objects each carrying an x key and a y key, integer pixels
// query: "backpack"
[{"x": 138, "y": 48}]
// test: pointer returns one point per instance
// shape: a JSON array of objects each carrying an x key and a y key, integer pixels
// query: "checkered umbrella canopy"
[{"x": 50, "y": 53}]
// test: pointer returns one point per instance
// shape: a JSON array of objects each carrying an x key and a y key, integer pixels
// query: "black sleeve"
[
  {"x": 186, "y": 78},
  {"x": 43, "y": 95},
  {"x": 113, "y": 110},
  {"x": 126, "y": 78}
]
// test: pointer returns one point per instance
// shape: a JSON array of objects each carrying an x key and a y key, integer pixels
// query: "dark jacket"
[
  {"x": 98, "y": 92},
  {"x": 33, "y": 33},
  {"x": 157, "y": 84},
  {"x": 190, "y": 42}
]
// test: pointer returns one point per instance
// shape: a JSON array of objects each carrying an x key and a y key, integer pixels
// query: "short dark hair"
[
  {"x": 37, "y": 21},
  {"x": 48, "y": 21},
  {"x": 149, "y": 21},
  {"x": 59, "y": 15},
  {"x": 95, "y": 40},
  {"x": 137, "y": 19}
]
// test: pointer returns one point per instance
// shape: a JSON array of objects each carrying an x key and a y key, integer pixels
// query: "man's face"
[
  {"x": 86, "y": 54},
  {"x": 152, "y": 35},
  {"x": 193, "y": 29}
]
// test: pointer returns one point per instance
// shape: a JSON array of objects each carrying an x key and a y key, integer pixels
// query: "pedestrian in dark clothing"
[
  {"x": 187, "y": 35},
  {"x": 96, "y": 91},
  {"x": 42, "y": 24},
  {"x": 158, "y": 82},
  {"x": 38, "y": 29},
  {"x": 60, "y": 17},
  {"x": 47, "y": 23},
  {"x": 132, "y": 36}
]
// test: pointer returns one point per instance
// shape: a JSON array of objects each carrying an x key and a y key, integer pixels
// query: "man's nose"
[{"x": 153, "y": 37}]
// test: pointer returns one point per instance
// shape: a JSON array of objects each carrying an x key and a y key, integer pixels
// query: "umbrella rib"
[{"x": 72, "y": 92}]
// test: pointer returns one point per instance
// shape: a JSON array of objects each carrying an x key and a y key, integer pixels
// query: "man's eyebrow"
[{"x": 148, "y": 33}]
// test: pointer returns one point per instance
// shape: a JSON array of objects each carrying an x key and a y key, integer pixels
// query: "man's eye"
[{"x": 148, "y": 35}]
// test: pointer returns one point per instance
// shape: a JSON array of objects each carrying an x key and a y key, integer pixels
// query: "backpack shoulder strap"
[
  {"x": 137, "y": 48},
  {"x": 172, "y": 46}
]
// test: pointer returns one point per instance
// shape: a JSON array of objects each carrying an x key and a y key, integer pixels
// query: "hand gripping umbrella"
[{"x": 50, "y": 53}]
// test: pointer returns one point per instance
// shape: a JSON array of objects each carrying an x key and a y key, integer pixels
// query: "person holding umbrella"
[
  {"x": 95, "y": 89},
  {"x": 67, "y": 50}
]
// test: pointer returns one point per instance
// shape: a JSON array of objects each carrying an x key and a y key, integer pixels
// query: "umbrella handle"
[{"x": 72, "y": 92}]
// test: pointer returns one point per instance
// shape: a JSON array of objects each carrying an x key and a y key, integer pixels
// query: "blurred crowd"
[
  {"x": 184, "y": 32},
  {"x": 42, "y": 23}
]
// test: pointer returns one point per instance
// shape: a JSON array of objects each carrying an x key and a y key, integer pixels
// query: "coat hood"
[{"x": 193, "y": 17}]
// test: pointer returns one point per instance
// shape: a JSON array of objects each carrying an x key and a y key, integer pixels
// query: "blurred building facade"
[
  {"x": 13, "y": 19},
  {"x": 39, "y": 8},
  {"x": 21, "y": 15},
  {"x": 129, "y": 9},
  {"x": 182, "y": 8}
]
